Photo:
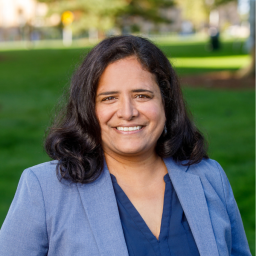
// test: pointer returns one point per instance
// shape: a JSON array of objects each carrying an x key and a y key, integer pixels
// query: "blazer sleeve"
[
  {"x": 239, "y": 242},
  {"x": 24, "y": 231}
]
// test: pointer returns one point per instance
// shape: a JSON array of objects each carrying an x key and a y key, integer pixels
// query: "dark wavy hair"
[{"x": 75, "y": 137}]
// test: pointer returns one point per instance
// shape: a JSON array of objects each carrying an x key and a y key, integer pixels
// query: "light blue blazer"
[{"x": 53, "y": 218}]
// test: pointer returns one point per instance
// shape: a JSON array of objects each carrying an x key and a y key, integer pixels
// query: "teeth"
[{"x": 126, "y": 129}]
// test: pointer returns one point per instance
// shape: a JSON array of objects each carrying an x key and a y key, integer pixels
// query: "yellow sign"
[{"x": 67, "y": 17}]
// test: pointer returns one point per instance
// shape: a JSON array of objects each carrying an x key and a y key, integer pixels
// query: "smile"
[{"x": 128, "y": 129}]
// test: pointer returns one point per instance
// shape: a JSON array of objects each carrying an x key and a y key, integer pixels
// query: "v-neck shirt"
[{"x": 175, "y": 235}]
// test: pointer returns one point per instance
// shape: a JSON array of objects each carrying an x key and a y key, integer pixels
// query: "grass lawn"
[{"x": 31, "y": 82}]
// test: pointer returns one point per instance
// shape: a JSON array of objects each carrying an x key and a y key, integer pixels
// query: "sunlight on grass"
[{"x": 211, "y": 62}]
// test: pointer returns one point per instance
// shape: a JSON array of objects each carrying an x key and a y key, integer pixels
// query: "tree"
[
  {"x": 88, "y": 14},
  {"x": 147, "y": 10},
  {"x": 194, "y": 11},
  {"x": 198, "y": 11},
  {"x": 105, "y": 14},
  {"x": 249, "y": 71}
]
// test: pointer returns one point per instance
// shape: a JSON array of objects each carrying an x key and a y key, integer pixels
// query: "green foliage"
[
  {"x": 195, "y": 11},
  {"x": 31, "y": 82},
  {"x": 221, "y": 2},
  {"x": 147, "y": 9},
  {"x": 106, "y": 14},
  {"x": 89, "y": 14},
  {"x": 45, "y": 1}
]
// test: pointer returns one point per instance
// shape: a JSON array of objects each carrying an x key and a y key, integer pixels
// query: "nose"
[{"x": 127, "y": 109}]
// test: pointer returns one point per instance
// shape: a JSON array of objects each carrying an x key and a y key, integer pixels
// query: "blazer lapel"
[
  {"x": 191, "y": 195},
  {"x": 100, "y": 205}
]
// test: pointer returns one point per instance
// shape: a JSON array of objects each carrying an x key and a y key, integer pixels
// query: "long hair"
[{"x": 75, "y": 137}]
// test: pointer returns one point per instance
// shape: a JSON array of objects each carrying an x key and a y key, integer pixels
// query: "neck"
[{"x": 136, "y": 171}]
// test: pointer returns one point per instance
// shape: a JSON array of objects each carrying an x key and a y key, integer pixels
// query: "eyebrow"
[{"x": 116, "y": 92}]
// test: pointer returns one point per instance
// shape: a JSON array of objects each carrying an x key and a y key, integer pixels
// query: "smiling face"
[{"x": 129, "y": 108}]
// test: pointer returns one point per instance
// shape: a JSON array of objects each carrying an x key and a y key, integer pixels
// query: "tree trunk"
[{"x": 249, "y": 71}]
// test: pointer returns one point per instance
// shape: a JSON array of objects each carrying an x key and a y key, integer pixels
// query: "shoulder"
[
  {"x": 207, "y": 168},
  {"x": 45, "y": 177},
  {"x": 44, "y": 186},
  {"x": 43, "y": 172},
  {"x": 48, "y": 168},
  {"x": 210, "y": 172},
  {"x": 212, "y": 177}
]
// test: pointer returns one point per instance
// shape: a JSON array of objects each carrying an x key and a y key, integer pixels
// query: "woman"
[{"x": 133, "y": 176}]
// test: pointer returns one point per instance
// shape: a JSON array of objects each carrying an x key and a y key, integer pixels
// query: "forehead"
[{"x": 126, "y": 73}]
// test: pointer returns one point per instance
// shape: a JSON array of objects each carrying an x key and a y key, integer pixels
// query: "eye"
[
  {"x": 142, "y": 96},
  {"x": 109, "y": 98}
]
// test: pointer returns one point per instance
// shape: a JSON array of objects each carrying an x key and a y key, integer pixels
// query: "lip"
[
  {"x": 128, "y": 125},
  {"x": 128, "y": 132}
]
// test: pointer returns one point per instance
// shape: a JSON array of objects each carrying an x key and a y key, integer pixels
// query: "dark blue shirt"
[{"x": 175, "y": 236}]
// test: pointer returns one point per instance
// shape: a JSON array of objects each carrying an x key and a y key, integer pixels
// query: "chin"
[{"x": 131, "y": 151}]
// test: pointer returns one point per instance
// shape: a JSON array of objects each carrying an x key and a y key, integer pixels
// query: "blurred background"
[{"x": 211, "y": 43}]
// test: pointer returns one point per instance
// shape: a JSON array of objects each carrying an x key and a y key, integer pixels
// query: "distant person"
[
  {"x": 214, "y": 38},
  {"x": 130, "y": 176}
]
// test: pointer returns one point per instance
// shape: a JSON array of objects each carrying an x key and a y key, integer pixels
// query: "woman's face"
[{"x": 129, "y": 108}]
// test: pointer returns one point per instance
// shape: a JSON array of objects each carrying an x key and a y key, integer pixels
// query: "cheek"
[
  {"x": 155, "y": 112},
  {"x": 104, "y": 114}
]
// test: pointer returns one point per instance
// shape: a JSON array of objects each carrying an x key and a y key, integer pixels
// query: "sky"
[{"x": 244, "y": 6}]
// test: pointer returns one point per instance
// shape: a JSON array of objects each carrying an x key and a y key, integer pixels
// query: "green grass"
[
  {"x": 31, "y": 82},
  {"x": 227, "y": 120}
]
